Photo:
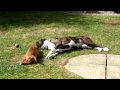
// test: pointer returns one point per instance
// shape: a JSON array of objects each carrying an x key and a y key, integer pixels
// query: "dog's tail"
[{"x": 90, "y": 43}]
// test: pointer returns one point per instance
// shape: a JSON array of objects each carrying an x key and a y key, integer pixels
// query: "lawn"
[{"x": 25, "y": 28}]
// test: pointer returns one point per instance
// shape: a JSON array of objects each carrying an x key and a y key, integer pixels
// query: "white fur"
[
  {"x": 105, "y": 49},
  {"x": 58, "y": 50},
  {"x": 51, "y": 46},
  {"x": 50, "y": 54},
  {"x": 72, "y": 43},
  {"x": 84, "y": 46},
  {"x": 45, "y": 44},
  {"x": 48, "y": 44},
  {"x": 99, "y": 49}
]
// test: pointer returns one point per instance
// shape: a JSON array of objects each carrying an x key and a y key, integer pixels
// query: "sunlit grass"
[{"x": 25, "y": 28}]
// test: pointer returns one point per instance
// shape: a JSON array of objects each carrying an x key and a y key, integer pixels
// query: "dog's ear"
[
  {"x": 42, "y": 39},
  {"x": 40, "y": 43},
  {"x": 37, "y": 44}
]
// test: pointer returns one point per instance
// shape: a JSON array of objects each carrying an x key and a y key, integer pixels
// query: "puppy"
[{"x": 31, "y": 56}]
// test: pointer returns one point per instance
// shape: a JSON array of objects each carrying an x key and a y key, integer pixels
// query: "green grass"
[{"x": 25, "y": 28}]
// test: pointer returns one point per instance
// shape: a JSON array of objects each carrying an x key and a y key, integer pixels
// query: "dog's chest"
[{"x": 51, "y": 45}]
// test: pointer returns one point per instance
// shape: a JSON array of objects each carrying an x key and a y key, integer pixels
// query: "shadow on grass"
[
  {"x": 40, "y": 57},
  {"x": 30, "y": 18}
]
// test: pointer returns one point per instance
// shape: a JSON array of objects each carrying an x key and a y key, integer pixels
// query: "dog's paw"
[
  {"x": 105, "y": 49},
  {"x": 20, "y": 63},
  {"x": 100, "y": 49},
  {"x": 48, "y": 58},
  {"x": 59, "y": 50}
]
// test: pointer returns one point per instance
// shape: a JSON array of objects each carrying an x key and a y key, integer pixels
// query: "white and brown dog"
[{"x": 58, "y": 45}]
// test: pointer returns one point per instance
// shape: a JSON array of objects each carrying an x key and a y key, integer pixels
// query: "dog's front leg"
[
  {"x": 53, "y": 55},
  {"x": 52, "y": 51}
]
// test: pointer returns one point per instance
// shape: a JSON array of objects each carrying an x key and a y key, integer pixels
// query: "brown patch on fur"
[
  {"x": 86, "y": 40},
  {"x": 31, "y": 56}
]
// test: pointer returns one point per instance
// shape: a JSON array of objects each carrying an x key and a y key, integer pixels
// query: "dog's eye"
[{"x": 28, "y": 60}]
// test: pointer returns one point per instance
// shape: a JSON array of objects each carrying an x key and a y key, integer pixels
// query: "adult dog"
[
  {"x": 31, "y": 56},
  {"x": 58, "y": 45}
]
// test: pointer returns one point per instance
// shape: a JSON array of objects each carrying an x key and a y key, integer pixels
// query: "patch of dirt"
[
  {"x": 112, "y": 22},
  {"x": 115, "y": 30},
  {"x": 15, "y": 46},
  {"x": 63, "y": 62}
]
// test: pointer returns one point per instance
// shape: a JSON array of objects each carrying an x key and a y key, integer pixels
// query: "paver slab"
[
  {"x": 91, "y": 66},
  {"x": 113, "y": 66}
]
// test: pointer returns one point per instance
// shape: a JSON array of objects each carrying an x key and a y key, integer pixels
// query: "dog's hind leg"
[
  {"x": 89, "y": 42},
  {"x": 84, "y": 46}
]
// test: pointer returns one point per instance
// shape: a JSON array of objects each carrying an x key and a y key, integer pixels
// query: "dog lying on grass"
[
  {"x": 31, "y": 56},
  {"x": 59, "y": 45}
]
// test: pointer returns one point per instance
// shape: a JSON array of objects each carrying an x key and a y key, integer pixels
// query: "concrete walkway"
[{"x": 95, "y": 66}]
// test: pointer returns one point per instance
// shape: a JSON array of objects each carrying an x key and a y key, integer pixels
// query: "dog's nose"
[{"x": 20, "y": 63}]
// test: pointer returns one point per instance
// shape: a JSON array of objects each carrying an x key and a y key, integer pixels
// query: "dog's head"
[
  {"x": 40, "y": 43},
  {"x": 27, "y": 61}
]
